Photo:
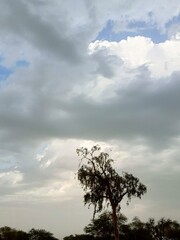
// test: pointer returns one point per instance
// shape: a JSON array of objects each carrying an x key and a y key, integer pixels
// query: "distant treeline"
[
  {"x": 101, "y": 228},
  {"x": 7, "y": 233}
]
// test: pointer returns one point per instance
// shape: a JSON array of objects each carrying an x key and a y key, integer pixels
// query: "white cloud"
[{"x": 161, "y": 59}]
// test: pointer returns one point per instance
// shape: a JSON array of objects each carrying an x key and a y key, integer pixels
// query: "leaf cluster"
[{"x": 101, "y": 183}]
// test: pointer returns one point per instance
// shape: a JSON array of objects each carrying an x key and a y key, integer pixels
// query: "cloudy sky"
[{"x": 78, "y": 73}]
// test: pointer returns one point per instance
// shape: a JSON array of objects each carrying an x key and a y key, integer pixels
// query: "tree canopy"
[
  {"x": 100, "y": 228},
  {"x": 40, "y": 234},
  {"x": 7, "y": 233}
]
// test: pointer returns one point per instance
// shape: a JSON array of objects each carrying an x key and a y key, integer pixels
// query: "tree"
[
  {"x": 102, "y": 228},
  {"x": 79, "y": 237},
  {"x": 40, "y": 234},
  {"x": 151, "y": 228},
  {"x": 103, "y": 185},
  {"x": 139, "y": 230},
  {"x": 21, "y": 235},
  {"x": 7, "y": 233},
  {"x": 167, "y": 229}
]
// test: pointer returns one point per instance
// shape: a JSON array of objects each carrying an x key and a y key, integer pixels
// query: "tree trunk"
[{"x": 115, "y": 223}]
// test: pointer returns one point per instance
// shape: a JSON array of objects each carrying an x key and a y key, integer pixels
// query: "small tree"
[
  {"x": 103, "y": 185},
  {"x": 40, "y": 234},
  {"x": 102, "y": 228}
]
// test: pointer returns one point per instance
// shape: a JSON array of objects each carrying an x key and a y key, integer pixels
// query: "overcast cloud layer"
[{"x": 61, "y": 88}]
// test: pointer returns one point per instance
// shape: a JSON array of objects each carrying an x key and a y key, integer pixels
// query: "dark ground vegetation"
[{"x": 101, "y": 228}]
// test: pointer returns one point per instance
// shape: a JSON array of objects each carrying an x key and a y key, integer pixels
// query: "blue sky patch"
[
  {"x": 6, "y": 72},
  {"x": 133, "y": 29},
  {"x": 22, "y": 63}
]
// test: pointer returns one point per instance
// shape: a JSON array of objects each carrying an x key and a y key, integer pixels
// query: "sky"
[{"x": 79, "y": 73}]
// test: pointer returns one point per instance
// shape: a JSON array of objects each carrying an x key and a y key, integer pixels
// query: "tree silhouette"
[
  {"x": 79, "y": 237},
  {"x": 103, "y": 185},
  {"x": 102, "y": 228},
  {"x": 40, "y": 234},
  {"x": 7, "y": 233},
  {"x": 167, "y": 229}
]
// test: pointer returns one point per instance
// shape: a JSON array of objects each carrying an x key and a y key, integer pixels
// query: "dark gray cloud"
[
  {"x": 142, "y": 109},
  {"x": 22, "y": 22}
]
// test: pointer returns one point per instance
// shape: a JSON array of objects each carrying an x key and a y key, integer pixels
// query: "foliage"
[
  {"x": 102, "y": 227},
  {"x": 40, "y": 234},
  {"x": 102, "y": 183},
  {"x": 103, "y": 186},
  {"x": 138, "y": 230},
  {"x": 79, "y": 237},
  {"x": 164, "y": 229},
  {"x": 167, "y": 229},
  {"x": 7, "y": 233}
]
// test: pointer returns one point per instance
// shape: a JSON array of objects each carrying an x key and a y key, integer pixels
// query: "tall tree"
[{"x": 103, "y": 185}]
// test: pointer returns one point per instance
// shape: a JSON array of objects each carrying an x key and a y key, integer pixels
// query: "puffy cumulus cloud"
[{"x": 161, "y": 59}]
